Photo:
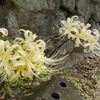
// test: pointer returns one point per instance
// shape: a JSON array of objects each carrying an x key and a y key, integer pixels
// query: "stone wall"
[{"x": 42, "y": 16}]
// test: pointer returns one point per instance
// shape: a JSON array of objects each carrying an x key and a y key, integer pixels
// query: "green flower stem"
[{"x": 56, "y": 49}]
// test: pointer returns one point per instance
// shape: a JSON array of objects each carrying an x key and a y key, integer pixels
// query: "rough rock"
[
  {"x": 5, "y": 8},
  {"x": 42, "y": 24},
  {"x": 94, "y": 25},
  {"x": 68, "y": 4},
  {"x": 45, "y": 24},
  {"x": 2, "y": 1},
  {"x": 96, "y": 14},
  {"x": 97, "y": 1},
  {"x": 41, "y": 18},
  {"x": 12, "y": 25},
  {"x": 38, "y": 5},
  {"x": 85, "y": 9}
]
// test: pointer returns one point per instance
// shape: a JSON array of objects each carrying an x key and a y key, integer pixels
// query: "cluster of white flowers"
[
  {"x": 81, "y": 35},
  {"x": 24, "y": 58}
]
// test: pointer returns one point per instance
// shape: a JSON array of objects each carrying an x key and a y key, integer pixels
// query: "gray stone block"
[
  {"x": 85, "y": 9},
  {"x": 68, "y": 4},
  {"x": 55, "y": 89}
]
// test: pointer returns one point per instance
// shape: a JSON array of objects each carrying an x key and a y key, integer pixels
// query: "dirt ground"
[{"x": 88, "y": 71}]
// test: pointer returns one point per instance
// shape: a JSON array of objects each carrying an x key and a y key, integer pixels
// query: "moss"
[
  {"x": 21, "y": 10},
  {"x": 15, "y": 12},
  {"x": 15, "y": 2},
  {"x": 7, "y": 38}
]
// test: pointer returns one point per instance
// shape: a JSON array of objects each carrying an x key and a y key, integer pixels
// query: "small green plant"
[
  {"x": 15, "y": 2},
  {"x": 9, "y": 89}
]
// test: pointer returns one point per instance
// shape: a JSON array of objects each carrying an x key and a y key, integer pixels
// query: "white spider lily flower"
[
  {"x": 18, "y": 72},
  {"x": 25, "y": 58},
  {"x": 5, "y": 54},
  {"x": 80, "y": 36},
  {"x": 2, "y": 74},
  {"x": 96, "y": 34},
  {"x": 36, "y": 50},
  {"x": 33, "y": 62},
  {"x": 29, "y": 37},
  {"x": 92, "y": 43},
  {"x": 69, "y": 25},
  {"x": 23, "y": 66},
  {"x": 4, "y": 31},
  {"x": 85, "y": 27},
  {"x": 41, "y": 44}
]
